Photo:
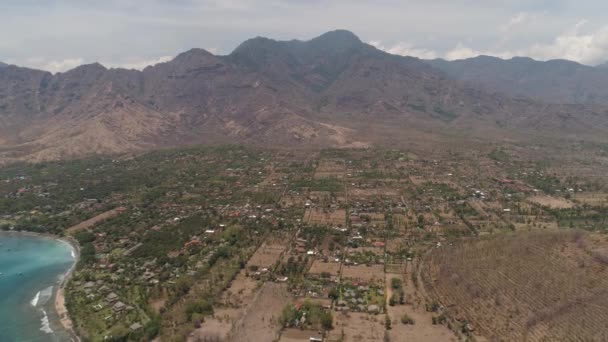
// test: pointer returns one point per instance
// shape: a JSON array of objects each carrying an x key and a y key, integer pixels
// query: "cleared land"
[
  {"x": 261, "y": 321},
  {"x": 93, "y": 221},
  {"x": 328, "y": 217},
  {"x": 268, "y": 254},
  {"x": 551, "y": 202}
]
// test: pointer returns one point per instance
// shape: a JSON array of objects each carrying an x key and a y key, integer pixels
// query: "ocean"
[{"x": 31, "y": 267}]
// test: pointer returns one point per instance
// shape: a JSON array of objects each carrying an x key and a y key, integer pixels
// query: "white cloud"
[
  {"x": 52, "y": 65},
  {"x": 62, "y": 65},
  {"x": 516, "y": 20},
  {"x": 405, "y": 49},
  {"x": 589, "y": 47},
  {"x": 461, "y": 52},
  {"x": 138, "y": 64}
]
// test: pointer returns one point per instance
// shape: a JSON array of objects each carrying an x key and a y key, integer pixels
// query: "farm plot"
[
  {"x": 526, "y": 286},
  {"x": 551, "y": 202},
  {"x": 268, "y": 254},
  {"x": 593, "y": 199},
  {"x": 421, "y": 327},
  {"x": 261, "y": 322},
  {"x": 356, "y": 326},
  {"x": 292, "y": 200},
  {"x": 320, "y": 267},
  {"x": 230, "y": 309},
  {"x": 374, "y": 192},
  {"x": 367, "y": 274},
  {"x": 329, "y": 169},
  {"x": 93, "y": 221},
  {"x": 298, "y": 335},
  {"x": 325, "y": 217}
]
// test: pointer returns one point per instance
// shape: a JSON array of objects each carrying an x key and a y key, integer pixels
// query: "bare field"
[
  {"x": 233, "y": 304},
  {"x": 92, "y": 221},
  {"x": 325, "y": 217},
  {"x": 297, "y": 335},
  {"x": 423, "y": 329},
  {"x": 552, "y": 202},
  {"x": 368, "y": 274},
  {"x": 268, "y": 253},
  {"x": 355, "y": 326},
  {"x": 260, "y": 323},
  {"x": 594, "y": 199},
  {"x": 541, "y": 286},
  {"x": 318, "y": 267},
  {"x": 375, "y": 192}
]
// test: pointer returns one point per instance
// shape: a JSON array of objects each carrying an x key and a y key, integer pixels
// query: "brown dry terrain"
[
  {"x": 322, "y": 216},
  {"x": 261, "y": 320},
  {"x": 551, "y": 202},
  {"x": 423, "y": 329},
  {"x": 357, "y": 327},
  {"x": 542, "y": 286},
  {"x": 370, "y": 274},
  {"x": 92, "y": 221},
  {"x": 268, "y": 253}
]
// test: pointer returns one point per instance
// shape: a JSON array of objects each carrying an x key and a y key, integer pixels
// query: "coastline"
[{"x": 59, "y": 293}]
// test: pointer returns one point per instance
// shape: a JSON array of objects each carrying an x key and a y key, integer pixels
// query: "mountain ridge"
[
  {"x": 553, "y": 81},
  {"x": 330, "y": 91}
]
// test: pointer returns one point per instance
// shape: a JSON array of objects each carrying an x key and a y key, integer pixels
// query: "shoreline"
[{"x": 58, "y": 294}]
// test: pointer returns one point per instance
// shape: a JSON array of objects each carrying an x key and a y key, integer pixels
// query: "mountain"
[
  {"x": 603, "y": 66},
  {"x": 555, "y": 81},
  {"x": 331, "y": 91},
  {"x": 3, "y": 65}
]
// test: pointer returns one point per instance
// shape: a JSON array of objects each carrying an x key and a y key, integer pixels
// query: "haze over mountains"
[
  {"x": 558, "y": 81},
  {"x": 331, "y": 91}
]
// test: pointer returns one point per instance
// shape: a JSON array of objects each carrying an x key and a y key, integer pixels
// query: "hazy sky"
[{"x": 59, "y": 34}]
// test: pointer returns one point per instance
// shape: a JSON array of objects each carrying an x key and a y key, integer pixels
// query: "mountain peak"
[
  {"x": 91, "y": 67},
  {"x": 339, "y": 38}
]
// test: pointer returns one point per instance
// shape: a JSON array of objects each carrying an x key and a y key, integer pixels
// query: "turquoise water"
[{"x": 31, "y": 268}]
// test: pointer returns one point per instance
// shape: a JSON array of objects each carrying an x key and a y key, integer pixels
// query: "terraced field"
[{"x": 549, "y": 286}]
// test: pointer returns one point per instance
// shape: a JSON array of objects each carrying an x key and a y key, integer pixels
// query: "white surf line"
[
  {"x": 34, "y": 301},
  {"x": 46, "y": 325}
]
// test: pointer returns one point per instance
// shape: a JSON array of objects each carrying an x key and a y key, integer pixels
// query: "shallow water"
[{"x": 31, "y": 268}]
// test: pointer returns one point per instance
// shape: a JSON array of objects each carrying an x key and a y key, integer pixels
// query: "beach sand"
[{"x": 62, "y": 311}]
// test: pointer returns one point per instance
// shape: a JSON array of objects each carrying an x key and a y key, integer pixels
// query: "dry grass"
[
  {"x": 92, "y": 221},
  {"x": 552, "y": 202},
  {"x": 528, "y": 286}
]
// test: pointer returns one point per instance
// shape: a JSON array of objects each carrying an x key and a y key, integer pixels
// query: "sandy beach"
[{"x": 60, "y": 307}]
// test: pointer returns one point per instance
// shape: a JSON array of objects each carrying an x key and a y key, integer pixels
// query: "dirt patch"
[
  {"x": 423, "y": 328},
  {"x": 319, "y": 267},
  {"x": 93, "y": 221},
  {"x": 325, "y": 217},
  {"x": 552, "y": 202},
  {"x": 361, "y": 273},
  {"x": 261, "y": 320},
  {"x": 298, "y": 335},
  {"x": 355, "y": 326},
  {"x": 268, "y": 254}
]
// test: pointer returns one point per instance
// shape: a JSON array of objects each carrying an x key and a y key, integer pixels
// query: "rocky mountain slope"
[
  {"x": 556, "y": 81},
  {"x": 333, "y": 90}
]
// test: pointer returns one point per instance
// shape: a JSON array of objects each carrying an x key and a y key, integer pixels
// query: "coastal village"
[{"x": 235, "y": 244}]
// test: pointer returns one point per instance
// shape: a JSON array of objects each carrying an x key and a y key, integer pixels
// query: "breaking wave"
[
  {"x": 42, "y": 297},
  {"x": 46, "y": 326}
]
